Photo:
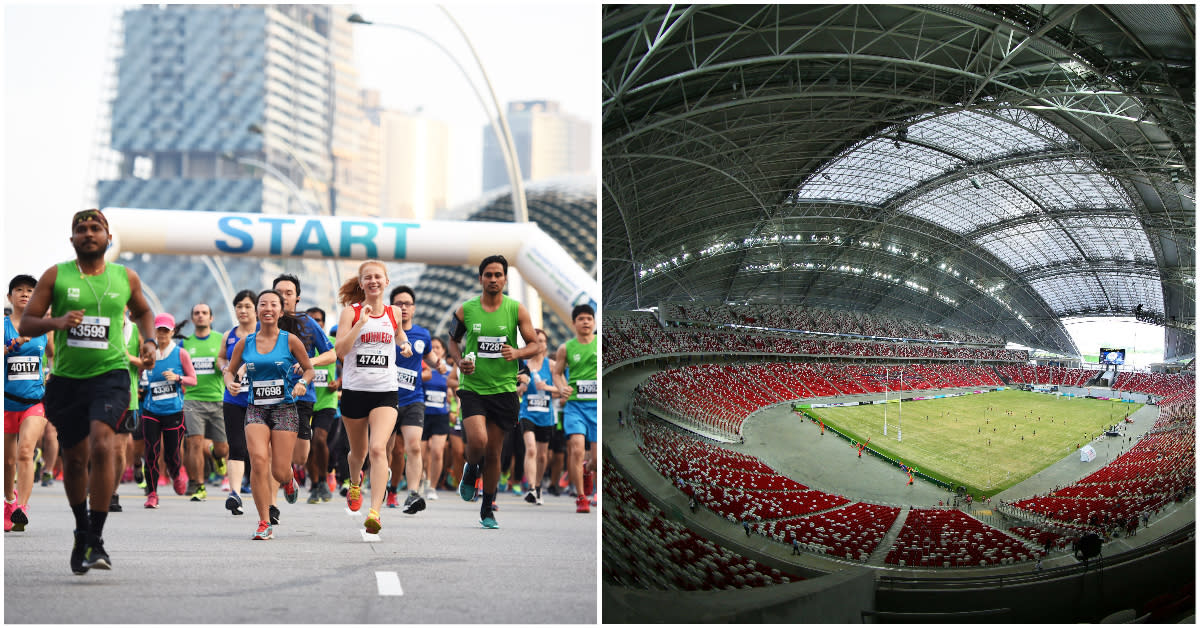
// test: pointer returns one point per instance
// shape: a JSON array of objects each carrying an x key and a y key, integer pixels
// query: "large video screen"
[{"x": 1112, "y": 356}]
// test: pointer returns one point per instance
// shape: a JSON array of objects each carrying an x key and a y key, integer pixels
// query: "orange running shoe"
[
  {"x": 354, "y": 497},
  {"x": 373, "y": 525}
]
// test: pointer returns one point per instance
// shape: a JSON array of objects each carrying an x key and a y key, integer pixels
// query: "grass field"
[{"x": 973, "y": 441}]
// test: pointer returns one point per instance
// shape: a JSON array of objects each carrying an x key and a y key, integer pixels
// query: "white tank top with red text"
[{"x": 370, "y": 366}]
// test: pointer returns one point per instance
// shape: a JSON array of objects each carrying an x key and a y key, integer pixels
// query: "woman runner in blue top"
[{"x": 272, "y": 422}]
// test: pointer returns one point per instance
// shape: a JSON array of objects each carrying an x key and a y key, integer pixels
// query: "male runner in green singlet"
[
  {"x": 486, "y": 326},
  {"x": 88, "y": 392}
]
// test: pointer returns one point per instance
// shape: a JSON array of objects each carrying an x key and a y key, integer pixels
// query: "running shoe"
[
  {"x": 581, "y": 504},
  {"x": 488, "y": 521},
  {"x": 95, "y": 557},
  {"x": 233, "y": 503},
  {"x": 331, "y": 480},
  {"x": 593, "y": 499},
  {"x": 466, "y": 488},
  {"x": 114, "y": 504},
  {"x": 152, "y": 500},
  {"x": 516, "y": 490},
  {"x": 299, "y": 473},
  {"x": 222, "y": 468},
  {"x": 403, "y": 484},
  {"x": 314, "y": 495},
  {"x": 224, "y": 485},
  {"x": 47, "y": 479},
  {"x": 291, "y": 492},
  {"x": 413, "y": 504},
  {"x": 77, "y": 565},
  {"x": 180, "y": 483},
  {"x": 38, "y": 462},
  {"x": 326, "y": 493},
  {"x": 430, "y": 492},
  {"x": 345, "y": 488},
  {"x": 200, "y": 495},
  {"x": 246, "y": 485},
  {"x": 127, "y": 475},
  {"x": 372, "y": 524},
  {"x": 9, "y": 509},
  {"x": 530, "y": 498},
  {"x": 563, "y": 481},
  {"x": 273, "y": 513},
  {"x": 354, "y": 498},
  {"x": 139, "y": 476},
  {"x": 393, "y": 501},
  {"x": 539, "y": 499},
  {"x": 265, "y": 532}
]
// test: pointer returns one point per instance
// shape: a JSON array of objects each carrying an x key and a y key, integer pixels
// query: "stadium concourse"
[{"x": 806, "y": 203}]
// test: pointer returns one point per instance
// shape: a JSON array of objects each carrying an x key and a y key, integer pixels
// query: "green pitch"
[{"x": 973, "y": 441}]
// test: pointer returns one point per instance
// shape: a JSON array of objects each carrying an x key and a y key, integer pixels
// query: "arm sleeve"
[{"x": 189, "y": 372}]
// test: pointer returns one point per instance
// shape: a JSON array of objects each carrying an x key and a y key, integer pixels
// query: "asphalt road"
[{"x": 195, "y": 563}]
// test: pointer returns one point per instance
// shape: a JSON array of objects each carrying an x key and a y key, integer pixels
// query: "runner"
[
  {"x": 486, "y": 326},
  {"x": 410, "y": 399},
  {"x": 577, "y": 357},
  {"x": 233, "y": 406},
  {"x": 271, "y": 416},
  {"x": 132, "y": 425},
  {"x": 455, "y": 441},
  {"x": 324, "y": 421},
  {"x": 202, "y": 403},
  {"x": 436, "y": 383},
  {"x": 366, "y": 344},
  {"x": 89, "y": 392},
  {"x": 24, "y": 415},
  {"x": 162, "y": 413},
  {"x": 537, "y": 418}
]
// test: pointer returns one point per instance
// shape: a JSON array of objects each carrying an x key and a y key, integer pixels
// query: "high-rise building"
[
  {"x": 414, "y": 163},
  {"x": 549, "y": 143},
  {"x": 244, "y": 108}
]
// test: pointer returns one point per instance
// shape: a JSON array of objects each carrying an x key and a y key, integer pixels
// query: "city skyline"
[{"x": 50, "y": 112}]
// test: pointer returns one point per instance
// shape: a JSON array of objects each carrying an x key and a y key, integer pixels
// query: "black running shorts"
[
  {"x": 72, "y": 404},
  {"x": 500, "y": 408}
]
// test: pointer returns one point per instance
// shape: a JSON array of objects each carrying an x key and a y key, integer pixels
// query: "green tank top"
[
  {"x": 210, "y": 384},
  {"x": 97, "y": 345},
  {"x": 132, "y": 347},
  {"x": 325, "y": 398},
  {"x": 486, "y": 332},
  {"x": 581, "y": 370}
]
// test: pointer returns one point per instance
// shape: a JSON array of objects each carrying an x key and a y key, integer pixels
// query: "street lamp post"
[{"x": 496, "y": 119}]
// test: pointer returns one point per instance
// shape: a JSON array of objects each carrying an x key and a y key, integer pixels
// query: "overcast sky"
[{"x": 55, "y": 57}]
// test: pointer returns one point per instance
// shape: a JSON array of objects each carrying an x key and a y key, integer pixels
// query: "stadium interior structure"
[{"x": 799, "y": 197}]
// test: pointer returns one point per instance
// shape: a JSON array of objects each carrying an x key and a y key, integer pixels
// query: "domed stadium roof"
[{"x": 988, "y": 167}]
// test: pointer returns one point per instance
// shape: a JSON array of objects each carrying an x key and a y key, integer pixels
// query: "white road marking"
[
  {"x": 389, "y": 583},
  {"x": 370, "y": 538}
]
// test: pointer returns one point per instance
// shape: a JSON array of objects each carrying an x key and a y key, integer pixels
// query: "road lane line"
[{"x": 389, "y": 583}]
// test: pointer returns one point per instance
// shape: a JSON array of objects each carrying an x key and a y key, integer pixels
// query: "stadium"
[{"x": 841, "y": 249}]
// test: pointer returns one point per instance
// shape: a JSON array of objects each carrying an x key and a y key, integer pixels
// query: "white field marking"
[
  {"x": 389, "y": 583},
  {"x": 373, "y": 538}
]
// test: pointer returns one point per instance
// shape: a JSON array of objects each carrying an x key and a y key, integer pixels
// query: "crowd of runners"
[{"x": 104, "y": 394}]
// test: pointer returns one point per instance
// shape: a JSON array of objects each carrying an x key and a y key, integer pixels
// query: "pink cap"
[{"x": 164, "y": 320}]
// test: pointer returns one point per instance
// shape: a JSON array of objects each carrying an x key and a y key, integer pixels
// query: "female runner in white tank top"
[{"x": 369, "y": 333}]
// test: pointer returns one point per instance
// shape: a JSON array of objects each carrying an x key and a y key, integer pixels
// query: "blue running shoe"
[
  {"x": 466, "y": 487},
  {"x": 489, "y": 522}
]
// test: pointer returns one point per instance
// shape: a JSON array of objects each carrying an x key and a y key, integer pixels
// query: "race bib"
[
  {"x": 407, "y": 378},
  {"x": 268, "y": 392},
  {"x": 489, "y": 346},
  {"x": 205, "y": 366},
  {"x": 585, "y": 389},
  {"x": 321, "y": 380},
  {"x": 539, "y": 403},
  {"x": 162, "y": 389},
  {"x": 376, "y": 360},
  {"x": 23, "y": 368},
  {"x": 435, "y": 399},
  {"x": 92, "y": 333}
]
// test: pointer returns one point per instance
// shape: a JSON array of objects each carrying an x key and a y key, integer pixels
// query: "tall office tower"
[
  {"x": 549, "y": 143},
  {"x": 243, "y": 108},
  {"x": 414, "y": 164}
]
